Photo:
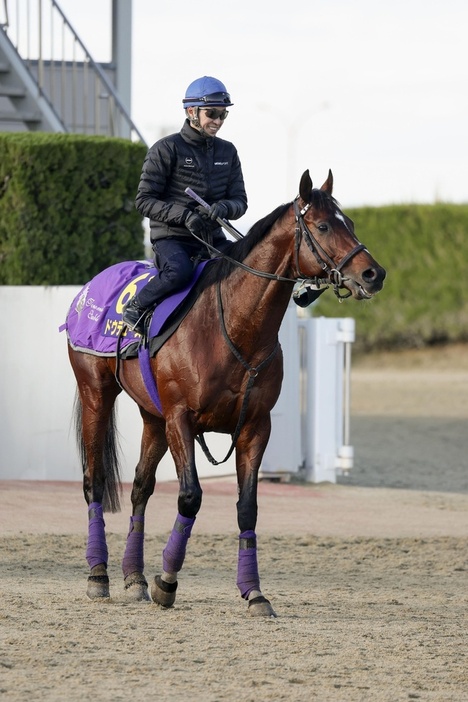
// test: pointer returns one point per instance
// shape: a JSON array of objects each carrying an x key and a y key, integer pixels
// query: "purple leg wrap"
[
  {"x": 174, "y": 553},
  {"x": 96, "y": 552},
  {"x": 133, "y": 558},
  {"x": 247, "y": 568}
]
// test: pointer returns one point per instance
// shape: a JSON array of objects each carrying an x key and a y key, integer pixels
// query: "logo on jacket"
[
  {"x": 188, "y": 162},
  {"x": 221, "y": 163}
]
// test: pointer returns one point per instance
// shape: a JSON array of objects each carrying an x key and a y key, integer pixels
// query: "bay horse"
[{"x": 220, "y": 371}]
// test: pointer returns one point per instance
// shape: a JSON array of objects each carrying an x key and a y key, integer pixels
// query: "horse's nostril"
[
  {"x": 369, "y": 275},
  {"x": 372, "y": 275}
]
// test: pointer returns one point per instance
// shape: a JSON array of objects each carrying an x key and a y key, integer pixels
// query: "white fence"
[
  {"x": 37, "y": 389},
  {"x": 310, "y": 422}
]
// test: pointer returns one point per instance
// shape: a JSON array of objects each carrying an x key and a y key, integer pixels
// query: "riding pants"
[{"x": 175, "y": 262}]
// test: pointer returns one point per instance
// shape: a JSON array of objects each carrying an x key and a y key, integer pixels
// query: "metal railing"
[
  {"x": 4, "y": 14},
  {"x": 79, "y": 90}
]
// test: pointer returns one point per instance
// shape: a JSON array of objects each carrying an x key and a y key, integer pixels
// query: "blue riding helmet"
[{"x": 207, "y": 92}]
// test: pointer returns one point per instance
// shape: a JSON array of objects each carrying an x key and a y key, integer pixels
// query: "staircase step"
[
  {"x": 11, "y": 91},
  {"x": 27, "y": 117}
]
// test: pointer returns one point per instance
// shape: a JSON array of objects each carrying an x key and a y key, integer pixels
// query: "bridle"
[
  {"x": 333, "y": 270},
  {"x": 302, "y": 232}
]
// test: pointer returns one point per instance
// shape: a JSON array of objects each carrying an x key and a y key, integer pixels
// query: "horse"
[{"x": 221, "y": 371}]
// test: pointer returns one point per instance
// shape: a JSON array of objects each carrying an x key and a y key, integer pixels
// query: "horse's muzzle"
[{"x": 369, "y": 283}]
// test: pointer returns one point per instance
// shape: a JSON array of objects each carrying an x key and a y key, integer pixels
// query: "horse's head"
[{"x": 332, "y": 244}]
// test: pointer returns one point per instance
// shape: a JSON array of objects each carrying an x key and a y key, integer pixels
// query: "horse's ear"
[
  {"x": 305, "y": 186},
  {"x": 328, "y": 185}
]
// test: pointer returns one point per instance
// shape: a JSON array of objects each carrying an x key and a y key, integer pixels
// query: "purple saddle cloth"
[{"x": 94, "y": 320}]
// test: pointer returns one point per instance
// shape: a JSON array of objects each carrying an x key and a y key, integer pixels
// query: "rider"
[{"x": 194, "y": 157}]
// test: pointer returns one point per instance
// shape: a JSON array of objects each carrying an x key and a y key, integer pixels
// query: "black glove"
[
  {"x": 202, "y": 212},
  {"x": 197, "y": 225},
  {"x": 218, "y": 209}
]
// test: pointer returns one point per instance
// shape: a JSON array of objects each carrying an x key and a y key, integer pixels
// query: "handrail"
[
  {"x": 78, "y": 89},
  {"x": 4, "y": 23}
]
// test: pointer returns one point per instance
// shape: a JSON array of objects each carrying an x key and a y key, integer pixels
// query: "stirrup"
[
  {"x": 142, "y": 323},
  {"x": 136, "y": 317}
]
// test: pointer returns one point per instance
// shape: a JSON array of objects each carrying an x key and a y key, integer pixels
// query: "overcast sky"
[{"x": 376, "y": 90}]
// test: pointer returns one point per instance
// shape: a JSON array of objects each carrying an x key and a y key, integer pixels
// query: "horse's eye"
[{"x": 323, "y": 227}]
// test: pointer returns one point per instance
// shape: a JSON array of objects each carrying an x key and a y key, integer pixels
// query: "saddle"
[{"x": 94, "y": 321}]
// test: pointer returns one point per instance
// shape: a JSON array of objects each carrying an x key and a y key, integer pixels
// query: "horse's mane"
[{"x": 239, "y": 250}]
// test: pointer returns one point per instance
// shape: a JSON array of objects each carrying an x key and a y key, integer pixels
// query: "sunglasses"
[{"x": 215, "y": 114}]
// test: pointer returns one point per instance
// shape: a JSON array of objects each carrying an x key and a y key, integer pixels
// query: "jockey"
[{"x": 197, "y": 158}]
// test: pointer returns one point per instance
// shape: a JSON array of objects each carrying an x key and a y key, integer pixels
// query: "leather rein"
[
  {"x": 335, "y": 278},
  {"x": 302, "y": 231}
]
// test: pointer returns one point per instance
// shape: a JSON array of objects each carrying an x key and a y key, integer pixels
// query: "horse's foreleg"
[
  {"x": 249, "y": 453},
  {"x": 165, "y": 585},
  {"x": 189, "y": 502},
  {"x": 153, "y": 448}
]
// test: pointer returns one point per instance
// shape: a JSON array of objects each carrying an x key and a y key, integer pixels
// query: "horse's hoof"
[
  {"x": 261, "y": 607},
  {"x": 163, "y": 593},
  {"x": 98, "y": 587},
  {"x": 136, "y": 588}
]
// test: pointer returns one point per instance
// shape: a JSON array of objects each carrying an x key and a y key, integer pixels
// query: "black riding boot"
[{"x": 134, "y": 315}]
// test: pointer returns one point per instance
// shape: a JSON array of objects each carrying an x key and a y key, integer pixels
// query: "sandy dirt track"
[{"x": 369, "y": 583}]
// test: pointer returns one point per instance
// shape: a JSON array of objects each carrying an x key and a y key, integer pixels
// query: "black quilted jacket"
[{"x": 208, "y": 165}]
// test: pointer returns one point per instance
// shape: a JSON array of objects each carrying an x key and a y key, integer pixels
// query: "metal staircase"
[{"x": 61, "y": 89}]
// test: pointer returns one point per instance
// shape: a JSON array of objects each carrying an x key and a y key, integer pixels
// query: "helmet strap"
[{"x": 194, "y": 121}]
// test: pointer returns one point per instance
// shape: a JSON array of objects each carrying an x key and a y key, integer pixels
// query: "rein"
[
  {"x": 253, "y": 372},
  {"x": 335, "y": 277}
]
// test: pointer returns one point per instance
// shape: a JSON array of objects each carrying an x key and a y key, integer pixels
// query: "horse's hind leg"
[
  {"x": 153, "y": 448},
  {"x": 95, "y": 426}
]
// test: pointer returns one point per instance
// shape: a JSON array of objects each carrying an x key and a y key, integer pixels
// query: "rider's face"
[{"x": 211, "y": 119}]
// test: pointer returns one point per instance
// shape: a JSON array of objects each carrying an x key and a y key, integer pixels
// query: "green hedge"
[
  {"x": 424, "y": 249},
  {"x": 67, "y": 211},
  {"x": 67, "y": 206}
]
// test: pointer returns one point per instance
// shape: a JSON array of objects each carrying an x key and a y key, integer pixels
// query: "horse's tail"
[{"x": 113, "y": 485}]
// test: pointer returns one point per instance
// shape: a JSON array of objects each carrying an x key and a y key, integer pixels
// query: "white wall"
[{"x": 37, "y": 389}]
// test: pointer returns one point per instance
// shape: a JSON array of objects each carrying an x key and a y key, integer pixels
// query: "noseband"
[{"x": 327, "y": 264}]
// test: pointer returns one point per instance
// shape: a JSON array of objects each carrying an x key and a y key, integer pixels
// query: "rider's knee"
[{"x": 178, "y": 270}]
